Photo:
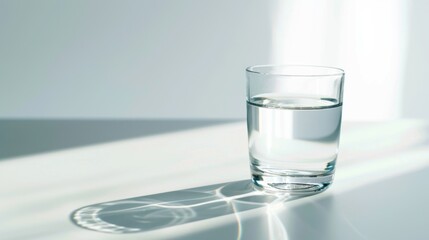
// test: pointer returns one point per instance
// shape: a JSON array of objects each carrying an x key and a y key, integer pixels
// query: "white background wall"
[{"x": 186, "y": 59}]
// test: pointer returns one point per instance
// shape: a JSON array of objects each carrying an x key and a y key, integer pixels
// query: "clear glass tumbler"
[{"x": 294, "y": 123}]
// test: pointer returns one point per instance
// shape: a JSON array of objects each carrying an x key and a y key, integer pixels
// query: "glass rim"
[{"x": 264, "y": 70}]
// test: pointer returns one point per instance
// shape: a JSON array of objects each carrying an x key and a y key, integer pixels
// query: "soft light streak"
[{"x": 368, "y": 42}]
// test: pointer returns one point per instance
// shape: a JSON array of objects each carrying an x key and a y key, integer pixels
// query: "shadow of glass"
[{"x": 169, "y": 209}]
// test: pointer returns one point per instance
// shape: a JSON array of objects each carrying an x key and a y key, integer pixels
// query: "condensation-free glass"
[{"x": 294, "y": 123}]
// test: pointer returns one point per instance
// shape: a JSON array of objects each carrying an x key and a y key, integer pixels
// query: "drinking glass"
[{"x": 294, "y": 123}]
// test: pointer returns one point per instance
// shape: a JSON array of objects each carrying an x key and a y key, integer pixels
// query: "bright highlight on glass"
[{"x": 293, "y": 122}]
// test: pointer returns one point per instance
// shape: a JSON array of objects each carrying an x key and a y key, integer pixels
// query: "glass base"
[{"x": 305, "y": 183}]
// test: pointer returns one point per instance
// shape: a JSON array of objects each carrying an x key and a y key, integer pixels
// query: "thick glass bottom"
[{"x": 291, "y": 182}]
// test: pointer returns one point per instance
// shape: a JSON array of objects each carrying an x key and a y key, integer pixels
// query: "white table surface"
[{"x": 136, "y": 187}]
